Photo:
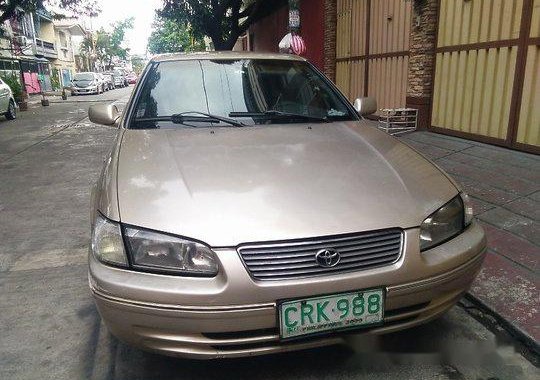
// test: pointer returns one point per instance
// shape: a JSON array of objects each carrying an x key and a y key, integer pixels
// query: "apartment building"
[{"x": 40, "y": 50}]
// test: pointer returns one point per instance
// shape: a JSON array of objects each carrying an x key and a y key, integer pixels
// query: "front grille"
[{"x": 296, "y": 258}]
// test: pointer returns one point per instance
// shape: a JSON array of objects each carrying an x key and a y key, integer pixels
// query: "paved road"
[{"x": 50, "y": 329}]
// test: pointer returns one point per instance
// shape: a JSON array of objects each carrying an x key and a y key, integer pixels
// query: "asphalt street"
[{"x": 50, "y": 328}]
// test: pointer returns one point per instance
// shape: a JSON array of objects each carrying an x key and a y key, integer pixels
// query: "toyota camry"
[{"x": 248, "y": 208}]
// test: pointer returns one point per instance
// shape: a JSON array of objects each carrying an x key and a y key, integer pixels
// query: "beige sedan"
[{"x": 248, "y": 208}]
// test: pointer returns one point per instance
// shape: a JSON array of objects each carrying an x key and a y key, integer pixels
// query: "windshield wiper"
[
  {"x": 193, "y": 117},
  {"x": 280, "y": 114}
]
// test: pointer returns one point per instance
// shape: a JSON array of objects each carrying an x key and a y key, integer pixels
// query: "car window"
[
  {"x": 220, "y": 87},
  {"x": 83, "y": 76}
]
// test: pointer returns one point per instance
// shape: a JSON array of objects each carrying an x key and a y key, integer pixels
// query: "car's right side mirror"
[
  {"x": 365, "y": 106},
  {"x": 105, "y": 114}
]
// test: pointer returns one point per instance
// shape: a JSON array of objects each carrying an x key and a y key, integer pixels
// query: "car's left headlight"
[
  {"x": 161, "y": 253},
  {"x": 447, "y": 222}
]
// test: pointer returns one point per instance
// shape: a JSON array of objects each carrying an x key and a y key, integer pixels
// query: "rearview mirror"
[
  {"x": 105, "y": 114},
  {"x": 365, "y": 106}
]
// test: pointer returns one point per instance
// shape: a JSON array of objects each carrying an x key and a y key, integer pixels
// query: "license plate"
[{"x": 330, "y": 313}]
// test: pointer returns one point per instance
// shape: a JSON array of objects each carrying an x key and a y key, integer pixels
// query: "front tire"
[{"x": 11, "y": 113}]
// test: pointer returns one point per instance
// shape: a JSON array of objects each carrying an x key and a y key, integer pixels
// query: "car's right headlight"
[
  {"x": 445, "y": 223},
  {"x": 162, "y": 253}
]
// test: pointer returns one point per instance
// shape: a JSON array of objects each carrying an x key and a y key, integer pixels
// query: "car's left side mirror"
[
  {"x": 365, "y": 106},
  {"x": 105, "y": 114}
]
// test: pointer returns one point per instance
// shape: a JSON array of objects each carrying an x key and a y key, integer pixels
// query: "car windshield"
[
  {"x": 83, "y": 76},
  {"x": 253, "y": 91}
]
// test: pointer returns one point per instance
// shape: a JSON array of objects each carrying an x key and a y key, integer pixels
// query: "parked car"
[
  {"x": 257, "y": 211},
  {"x": 86, "y": 83},
  {"x": 8, "y": 106},
  {"x": 119, "y": 78},
  {"x": 131, "y": 78},
  {"x": 109, "y": 83},
  {"x": 103, "y": 80}
]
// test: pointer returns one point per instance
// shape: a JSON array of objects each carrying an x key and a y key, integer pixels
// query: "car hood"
[
  {"x": 82, "y": 83},
  {"x": 226, "y": 186}
]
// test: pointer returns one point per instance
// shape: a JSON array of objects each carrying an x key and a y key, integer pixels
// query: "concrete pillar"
[{"x": 423, "y": 41}]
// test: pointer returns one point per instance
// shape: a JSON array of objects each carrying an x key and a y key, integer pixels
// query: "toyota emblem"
[{"x": 327, "y": 258}]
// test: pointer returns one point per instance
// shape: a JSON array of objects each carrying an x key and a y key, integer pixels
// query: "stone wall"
[
  {"x": 423, "y": 41},
  {"x": 330, "y": 27}
]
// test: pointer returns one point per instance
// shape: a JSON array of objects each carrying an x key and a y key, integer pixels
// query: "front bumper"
[
  {"x": 233, "y": 315},
  {"x": 87, "y": 90}
]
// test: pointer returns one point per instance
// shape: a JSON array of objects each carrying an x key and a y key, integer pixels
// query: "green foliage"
[
  {"x": 67, "y": 8},
  {"x": 55, "y": 79},
  {"x": 13, "y": 82},
  {"x": 138, "y": 64},
  {"x": 221, "y": 20},
  {"x": 116, "y": 38},
  {"x": 104, "y": 46},
  {"x": 170, "y": 36}
]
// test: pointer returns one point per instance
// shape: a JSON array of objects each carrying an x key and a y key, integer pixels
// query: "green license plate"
[{"x": 329, "y": 313}]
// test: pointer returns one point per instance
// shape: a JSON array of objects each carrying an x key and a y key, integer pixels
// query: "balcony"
[{"x": 45, "y": 49}]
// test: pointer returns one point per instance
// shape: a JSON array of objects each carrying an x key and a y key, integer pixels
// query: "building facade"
[
  {"x": 65, "y": 63},
  {"x": 39, "y": 51},
  {"x": 470, "y": 67}
]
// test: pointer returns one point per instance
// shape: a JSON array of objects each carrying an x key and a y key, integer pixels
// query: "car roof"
[{"x": 223, "y": 55}]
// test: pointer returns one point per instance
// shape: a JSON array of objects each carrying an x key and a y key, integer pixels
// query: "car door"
[{"x": 4, "y": 96}]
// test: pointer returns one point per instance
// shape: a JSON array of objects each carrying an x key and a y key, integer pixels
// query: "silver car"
[
  {"x": 248, "y": 208},
  {"x": 86, "y": 83},
  {"x": 8, "y": 106}
]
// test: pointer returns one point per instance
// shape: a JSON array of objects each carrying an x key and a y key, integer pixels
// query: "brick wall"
[
  {"x": 330, "y": 27},
  {"x": 423, "y": 41}
]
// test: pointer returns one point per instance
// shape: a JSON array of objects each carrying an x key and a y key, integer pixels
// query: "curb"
[{"x": 521, "y": 335}]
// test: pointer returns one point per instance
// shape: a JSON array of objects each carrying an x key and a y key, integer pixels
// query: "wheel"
[{"x": 11, "y": 113}]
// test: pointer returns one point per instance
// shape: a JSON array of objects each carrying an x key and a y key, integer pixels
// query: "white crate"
[{"x": 396, "y": 121}]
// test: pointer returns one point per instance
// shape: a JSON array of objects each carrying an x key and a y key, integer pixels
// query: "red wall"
[
  {"x": 312, "y": 23},
  {"x": 266, "y": 34}
]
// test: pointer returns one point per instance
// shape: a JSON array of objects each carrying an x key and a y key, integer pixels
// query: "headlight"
[
  {"x": 447, "y": 222},
  {"x": 157, "y": 252},
  {"x": 107, "y": 244},
  {"x": 468, "y": 208}
]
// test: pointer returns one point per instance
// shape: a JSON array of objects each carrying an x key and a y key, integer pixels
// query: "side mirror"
[
  {"x": 105, "y": 114},
  {"x": 365, "y": 106}
]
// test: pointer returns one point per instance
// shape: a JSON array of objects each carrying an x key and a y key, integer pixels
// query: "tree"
[
  {"x": 16, "y": 8},
  {"x": 113, "y": 47},
  {"x": 137, "y": 63},
  {"x": 103, "y": 46},
  {"x": 221, "y": 20},
  {"x": 169, "y": 36},
  {"x": 86, "y": 49}
]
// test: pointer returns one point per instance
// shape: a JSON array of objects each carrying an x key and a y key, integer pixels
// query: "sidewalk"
[{"x": 505, "y": 187}]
